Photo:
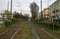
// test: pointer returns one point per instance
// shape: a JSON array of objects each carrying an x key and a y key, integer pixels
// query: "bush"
[
  {"x": 8, "y": 22},
  {"x": 2, "y": 25}
]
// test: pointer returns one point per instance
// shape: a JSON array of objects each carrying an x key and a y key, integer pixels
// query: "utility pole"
[
  {"x": 11, "y": 9},
  {"x": 41, "y": 11}
]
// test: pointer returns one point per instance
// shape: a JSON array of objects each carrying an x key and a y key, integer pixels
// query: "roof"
[{"x": 53, "y": 3}]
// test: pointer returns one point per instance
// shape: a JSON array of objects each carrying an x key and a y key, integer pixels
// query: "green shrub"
[
  {"x": 2, "y": 25},
  {"x": 8, "y": 23}
]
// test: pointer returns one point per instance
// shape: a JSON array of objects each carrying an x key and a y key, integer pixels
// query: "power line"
[{"x": 8, "y": 5}]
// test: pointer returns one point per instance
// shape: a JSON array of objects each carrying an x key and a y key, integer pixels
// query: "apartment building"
[{"x": 54, "y": 10}]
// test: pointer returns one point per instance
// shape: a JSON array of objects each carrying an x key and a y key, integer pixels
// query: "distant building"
[
  {"x": 7, "y": 14},
  {"x": 45, "y": 13}
]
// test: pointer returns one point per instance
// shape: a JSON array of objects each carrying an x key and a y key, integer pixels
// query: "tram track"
[{"x": 7, "y": 34}]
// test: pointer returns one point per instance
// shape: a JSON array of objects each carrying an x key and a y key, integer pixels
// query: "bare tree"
[{"x": 34, "y": 9}]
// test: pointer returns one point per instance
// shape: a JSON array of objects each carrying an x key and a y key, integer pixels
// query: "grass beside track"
[
  {"x": 25, "y": 31},
  {"x": 56, "y": 30},
  {"x": 2, "y": 26},
  {"x": 42, "y": 34},
  {"x": 50, "y": 27}
]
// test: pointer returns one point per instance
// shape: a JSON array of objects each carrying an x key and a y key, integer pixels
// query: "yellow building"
[{"x": 7, "y": 14}]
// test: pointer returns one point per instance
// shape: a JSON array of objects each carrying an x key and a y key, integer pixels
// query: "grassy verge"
[
  {"x": 25, "y": 32},
  {"x": 28, "y": 31},
  {"x": 57, "y": 31},
  {"x": 50, "y": 27},
  {"x": 2, "y": 25},
  {"x": 42, "y": 34}
]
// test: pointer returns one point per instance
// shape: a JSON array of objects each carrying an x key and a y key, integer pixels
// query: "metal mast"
[
  {"x": 11, "y": 9},
  {"x": 41, "y": 11},
  {"x": 11, "y": 6}
]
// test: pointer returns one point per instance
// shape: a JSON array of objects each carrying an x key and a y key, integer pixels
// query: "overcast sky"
[{"x": 23, "y": 5}]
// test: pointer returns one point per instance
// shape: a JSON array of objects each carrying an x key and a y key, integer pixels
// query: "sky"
[{"x": 24, "y": 5}]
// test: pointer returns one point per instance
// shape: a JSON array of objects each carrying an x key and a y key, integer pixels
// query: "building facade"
[
  {"x": 45, "y": 13},
  {"x": 54, "y": 10}
]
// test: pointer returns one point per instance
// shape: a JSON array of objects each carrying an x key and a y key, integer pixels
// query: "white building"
[{"x": 54, "y": 10}]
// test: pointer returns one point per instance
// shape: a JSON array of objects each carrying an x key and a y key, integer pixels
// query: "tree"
[
  {"x": 26, "y": 16},
  {"x": 34, "y": 9},
  {"x": 21, "y": 15},
  {"x": 36, "y": 19},
  {"x": 16, "y": 15},
  {"x": 7, "y": 14}
]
